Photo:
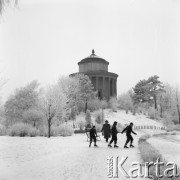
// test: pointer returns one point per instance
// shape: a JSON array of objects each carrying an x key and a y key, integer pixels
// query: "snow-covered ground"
[
  {"x": 59, "y": 158},
  {"x": 64, "y": 158},
  {"x": 123, "y": 118}
]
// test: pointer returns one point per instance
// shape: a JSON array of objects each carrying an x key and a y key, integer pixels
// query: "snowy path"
[
  {"x": 168, "y": 146},
  {"x": 59, "y": 158}
]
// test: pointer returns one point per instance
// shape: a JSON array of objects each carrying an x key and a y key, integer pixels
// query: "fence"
[{"x": 151, "y": 127}]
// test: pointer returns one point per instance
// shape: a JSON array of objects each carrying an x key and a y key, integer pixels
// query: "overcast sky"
[{"x": 44, "y": 39}]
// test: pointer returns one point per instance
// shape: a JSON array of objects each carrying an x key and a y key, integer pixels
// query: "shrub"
[
  {"x": 104, "y": 104},
  {"x": 173, "y": 128},
  {"x": 65, "y": 130},
  {"x": 55, "y": 131},
  {"x": 151, "y": 113},
  {"x": 88, "y": 117},
  {"x": 62, "y": 130},
  {"x": 98, "y": 117},
  {"x": 94, "y": 104},
  {"x": 21, "y": 129},
  {"x": 143, "y": 138},
  {"x": 43, "y": 131},
  {"x": 33, "y": 132},
  {"x": 80, "y": 121},
  {"x": 125, "y": 102},
  {"x": 2, "y": 130},
  {"x": 168, "y": 119},
  {"x": 113, "y": 104},
  {"x": 79, "y": 131},
  {"x": 175, "y": 121},
  {"x": 176, "y": 127},
  {"x": 98, "y": 128},
  {"x": 81, "y": 124},
  {"x": 164, "y": 134},
  {"x": 150, "y": 154}
]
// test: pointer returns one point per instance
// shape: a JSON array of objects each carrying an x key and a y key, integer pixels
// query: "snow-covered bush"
[
  {"x": 33, "y": 132},
  {"x": 99, "y": 117},
  {"x": 21, "y": 129},
  {"x": 88, "y": 117},
  {"x": 113, "y": 104},
  {"x": 65, "y": 130},
  {"x": 151, "y": 113},
  {"x": 98, "y": 128},
  {"x": 2, "y": 130}
]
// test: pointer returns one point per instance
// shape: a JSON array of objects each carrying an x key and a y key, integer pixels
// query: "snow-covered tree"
[
  {"x": 53, "y": 105},
  {"x": 33, "y": 116},
  {"x": 23, "y": 99},
  {"x": 148, "y": 90}
]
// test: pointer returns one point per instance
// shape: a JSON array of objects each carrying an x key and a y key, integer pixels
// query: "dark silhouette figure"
[
  {"x": 106, "y": 129},
  {"x": 129, "y": 130},
  {"x": 93, "y": 136},
  {"x": 114, "y": 135}
]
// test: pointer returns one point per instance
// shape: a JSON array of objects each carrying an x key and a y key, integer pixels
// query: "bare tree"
[{"x": 53, "y": 104}]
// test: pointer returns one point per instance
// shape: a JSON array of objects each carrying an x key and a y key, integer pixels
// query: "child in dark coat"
[{"x": 93, "y": 136}]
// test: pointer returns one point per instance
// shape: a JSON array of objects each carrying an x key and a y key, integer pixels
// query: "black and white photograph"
[{"x": 89, "y": 89}]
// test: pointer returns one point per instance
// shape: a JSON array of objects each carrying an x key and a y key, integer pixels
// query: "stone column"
[
  {"x": 90, "y": 77},
  {"x": 109, "y": 87},
  {"x": 103, "y": 87},
  {"x": 112, "y": 87},
  {"x": 97, "y": 82},
  {"x": 116, "y": 87}
]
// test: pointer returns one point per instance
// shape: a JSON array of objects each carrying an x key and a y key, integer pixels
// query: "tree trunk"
[
  {"x": 49, "y": 128},
  {"x": 178, "y": 112},
  {"x": 161, "y": 115},
  {"x": 34, "y": 124},
  {"x": 49, "y": 122},
  {"x": 161, "y": 109},
  {"x": 73, "y": 124},
  {"x": 177, "y": 101},
  {"x": 155, "y": 103},
  {"x": 86, "y": 106}
]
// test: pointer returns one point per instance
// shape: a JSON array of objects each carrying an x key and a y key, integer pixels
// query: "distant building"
[{"x": 104, "y": 82}]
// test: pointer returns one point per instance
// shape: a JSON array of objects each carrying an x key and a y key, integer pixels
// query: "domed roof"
[{"x": 93, "y": 58}]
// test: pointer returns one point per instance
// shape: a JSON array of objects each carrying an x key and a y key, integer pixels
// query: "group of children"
[{"x": 112, "y": 132}]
